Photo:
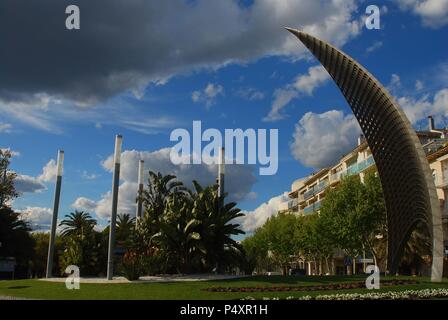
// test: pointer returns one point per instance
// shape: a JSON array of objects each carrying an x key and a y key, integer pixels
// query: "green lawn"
[{"x": 189, "y": 290}]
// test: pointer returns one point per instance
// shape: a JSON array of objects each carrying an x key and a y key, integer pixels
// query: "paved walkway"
[
  {"x": 155, "y": 279},
  {"x": 12, "y": 298}
]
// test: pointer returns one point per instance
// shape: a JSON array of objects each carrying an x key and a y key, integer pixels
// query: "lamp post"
[
  {"x": 57, "y": 195},
  {"x": 113, "y": 219},
  {"x": 221, "y": 172},
  {"x": 138, "y": 214}
]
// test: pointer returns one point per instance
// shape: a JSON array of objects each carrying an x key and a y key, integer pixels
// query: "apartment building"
[{"x": 307, "y": 193}]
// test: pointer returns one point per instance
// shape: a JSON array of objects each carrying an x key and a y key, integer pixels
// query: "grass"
[{"x": 191, "y": 290}]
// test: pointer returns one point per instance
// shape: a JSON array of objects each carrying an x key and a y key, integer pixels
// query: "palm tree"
[
  {"x": 77, "y": 223},
  {"x": 82, "y": 244},
  {"x": 178, "y": 234},
  {"x": 125, "y": 227},
  {"x": 216, "y": 228},
  {"x": 160, "y": 188}
]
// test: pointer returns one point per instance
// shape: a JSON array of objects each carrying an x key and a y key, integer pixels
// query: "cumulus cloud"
[
  {"x": 83, "y": 203},
  {"x": 38, "y": 217},
  {"x": 256, "y": 218},
  {"x": 162, "y": 39},
  {"x": 434, "y": 13},
  {"x": 418, "y": 109},
  {"x": 321, "y": 139},
  {"x": 239, "y": 179},
  {"x": 49, "y": 171},
  {"x": 208, "y": 95},
  {"x": 303, "y": 85},
  {"x": 28, "y": 184}
]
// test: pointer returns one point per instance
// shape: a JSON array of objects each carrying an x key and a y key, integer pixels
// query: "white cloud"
[
  {"x": 434, "y": 13},
  {"x": 375, "y": 46},
  {"x": 38, "y": 217},
  {"x": 306, "y": 83},
  {"x": 89, "y": 176},
  {"x": 50, "y": 114},
  {"x": 250, "y": 94},
  {"x": 5, "y": 127},
  {"x": 239, "y": 179},
  {"x": 418, "y": 109},
  {"x": 320, "y": 139},
  {"x": 303, "y": 85},
  {"x": 210, "y": 35},
  {"x": 28, "y": 184},
  {"x": 83, "y": 203},
  {"x": 419, "y": 85},
  {"x": 281, "y": 98},
  {"x": 395, "y": 83},
  {"x": 49, "y": 172},
  {"x": 256, "y": 218},
  {"x": 208, "y": 95}
]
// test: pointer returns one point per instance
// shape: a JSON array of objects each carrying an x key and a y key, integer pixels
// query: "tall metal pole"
[
  {"x": 221, "y": 172},
  {"x": 57, "y": 195},
  {"x": 113, "y": 219},
  {"x": 138, "y": 215}
]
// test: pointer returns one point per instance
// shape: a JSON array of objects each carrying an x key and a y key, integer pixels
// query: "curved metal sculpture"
[{"x": 408, "y": 187}]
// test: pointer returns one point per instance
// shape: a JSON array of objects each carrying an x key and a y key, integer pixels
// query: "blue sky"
[{"x": 80, "y": 112}]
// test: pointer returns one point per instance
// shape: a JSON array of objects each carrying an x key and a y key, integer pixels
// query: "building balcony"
[
  {"x": 312, "y": 208},
  {"x": 292, "y": 203},
  {"x": 353, "y": 169},
  {"x": 441, "y": 182},
  {"x": 315, "y": 189}
]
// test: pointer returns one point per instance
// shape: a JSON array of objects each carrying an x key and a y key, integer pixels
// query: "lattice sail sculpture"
[{"x": 408, "y": 186}]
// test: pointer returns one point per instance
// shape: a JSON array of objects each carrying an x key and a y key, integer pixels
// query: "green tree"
[
  {"x": 216, "y": 227},
  {"x": 15, "y": 240},
  {"x": 39, "y": 260},
  {"x": 160, "y": 188},
  {"x": 178, "y": 234},
  {"x": 279, "y": 231},
  {"x": 256, "y": 248},
  {"x": 354, "y": 215},
  {"x": 77, "y": 223},
  {"x": 7, "y": 190},
  {"x": 82, "y": 243},
  {"x": 124, "y": 229},
  {"x": 312, "y": 239}
]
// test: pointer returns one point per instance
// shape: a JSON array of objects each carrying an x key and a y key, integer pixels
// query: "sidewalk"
[{"x": 155, "y": 279}]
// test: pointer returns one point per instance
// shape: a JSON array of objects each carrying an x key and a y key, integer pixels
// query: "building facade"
[{"x": 307, "y": 193}]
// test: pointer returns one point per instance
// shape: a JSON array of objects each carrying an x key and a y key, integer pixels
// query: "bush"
[
  {"x": 132, "y": 266},
  {"x": 390, "y": 295}
]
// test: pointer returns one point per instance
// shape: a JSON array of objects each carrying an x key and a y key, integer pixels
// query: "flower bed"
[
  {"x": 390, "y": 295},
  {"x": 336, "y": 286}
]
